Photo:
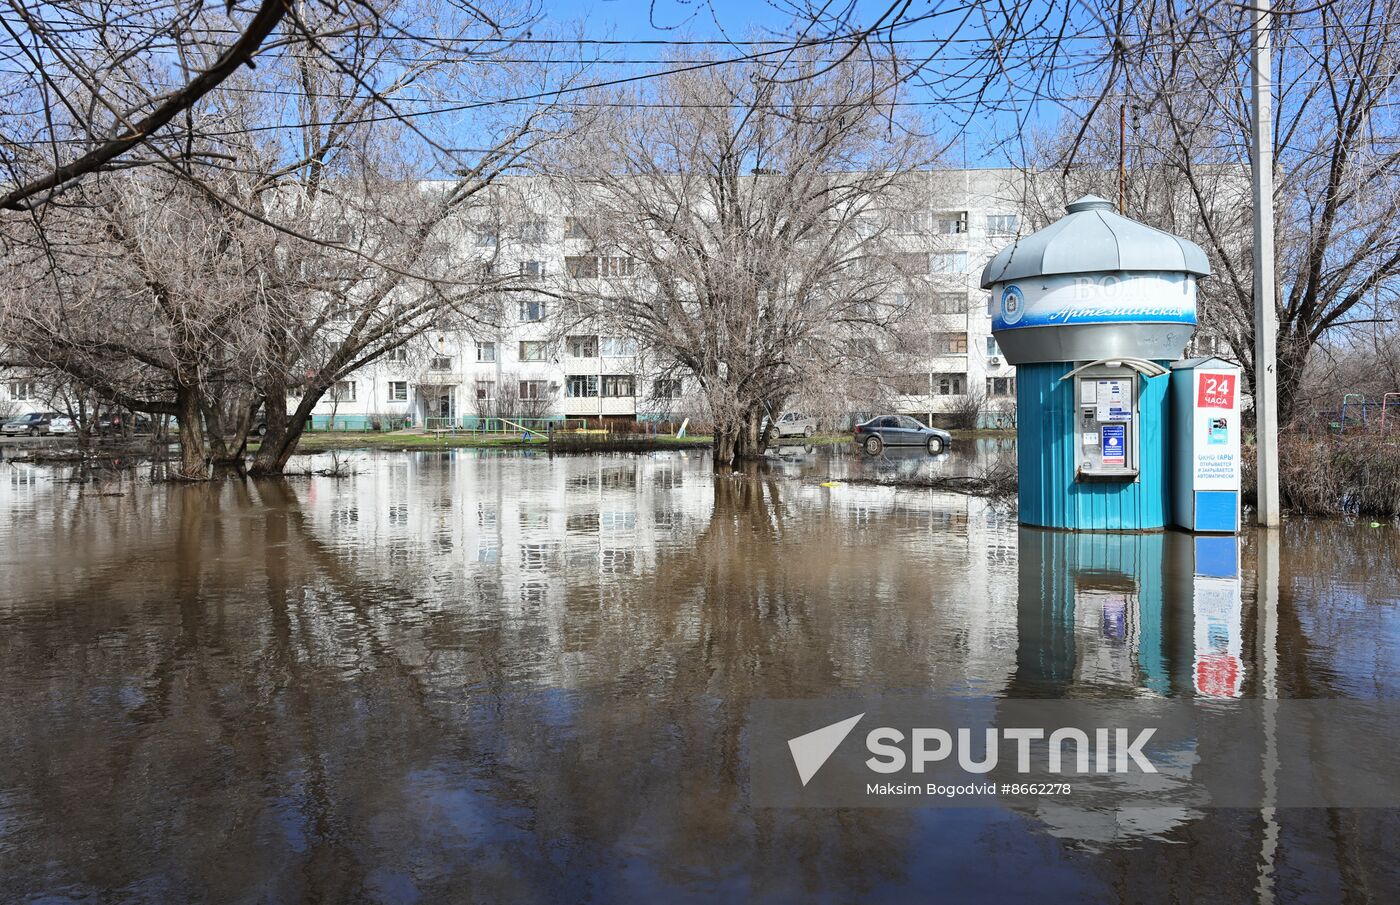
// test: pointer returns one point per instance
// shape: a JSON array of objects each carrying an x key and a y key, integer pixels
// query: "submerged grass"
[
  {"x": 327, "y": 441},
  {"x": 995, "y": 481}
]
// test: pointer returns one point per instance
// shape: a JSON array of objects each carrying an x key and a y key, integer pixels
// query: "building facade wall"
[
  {"x": 949, "y": 367},
  {"x": 954, "y": 366}
]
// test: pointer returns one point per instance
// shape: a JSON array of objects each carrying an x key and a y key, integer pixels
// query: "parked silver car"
[
  {"x": 33, "y": 424},
  {"x": 795, "y": 424},
  {"x": 62, "y": 425}
]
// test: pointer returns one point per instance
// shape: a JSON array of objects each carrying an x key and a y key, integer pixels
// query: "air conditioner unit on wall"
[{"x": 994, "y": 360}]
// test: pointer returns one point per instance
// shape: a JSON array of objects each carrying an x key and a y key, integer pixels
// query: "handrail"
[
  {"x": 523, "y": 429},
  {"x": 1342, "y": 425},
  {"x": 1385, "y": 397}
]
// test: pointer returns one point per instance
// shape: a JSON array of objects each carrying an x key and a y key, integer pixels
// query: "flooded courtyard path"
[{"x": 460, "y": 676}]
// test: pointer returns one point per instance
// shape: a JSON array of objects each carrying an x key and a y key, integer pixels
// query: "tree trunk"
[
  {"x": 726, "y": 436},
  {"x": 228, "y": 423},
  {"x": 194, "y": 459},
  {"x": 1291, "y": 360},
  {"x": 283, "y": 431}
]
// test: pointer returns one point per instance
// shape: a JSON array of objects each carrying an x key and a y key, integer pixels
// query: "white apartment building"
[{"x": 943, "y": 361}]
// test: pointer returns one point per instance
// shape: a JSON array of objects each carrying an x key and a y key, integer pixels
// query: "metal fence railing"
[{"x": 476, "y": 426}]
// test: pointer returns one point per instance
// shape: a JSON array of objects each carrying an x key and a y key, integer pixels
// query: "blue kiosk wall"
[{"x": 1050, "y": 497}]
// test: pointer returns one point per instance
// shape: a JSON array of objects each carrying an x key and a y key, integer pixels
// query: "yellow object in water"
[{"x": 831, "y": 483}]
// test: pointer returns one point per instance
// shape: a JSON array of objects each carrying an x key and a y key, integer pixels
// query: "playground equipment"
[{"x": 1385, "y": 407}]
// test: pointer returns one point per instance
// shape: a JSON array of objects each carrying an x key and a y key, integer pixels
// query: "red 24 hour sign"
[{"x": 1215, "y": 391}]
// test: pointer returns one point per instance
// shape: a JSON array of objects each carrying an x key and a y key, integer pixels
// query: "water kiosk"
[{"x": 1093, "y": 310}]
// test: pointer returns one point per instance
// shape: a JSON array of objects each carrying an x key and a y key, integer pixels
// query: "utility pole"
[
  {"x": 1122, "y": 158},
  {"x": 1265, "y": 317}
]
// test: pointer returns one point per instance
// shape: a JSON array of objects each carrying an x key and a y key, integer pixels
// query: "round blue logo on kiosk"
[{"x": 1013, "y": 304}]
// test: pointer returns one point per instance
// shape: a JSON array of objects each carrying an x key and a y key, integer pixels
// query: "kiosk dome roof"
[{"x": 1094, "y": 238}]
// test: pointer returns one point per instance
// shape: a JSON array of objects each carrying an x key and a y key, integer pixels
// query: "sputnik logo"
[{"x": 812, "y": 750}]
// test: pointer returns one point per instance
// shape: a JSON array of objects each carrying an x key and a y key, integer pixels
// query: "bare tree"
[
  {"x": 308, "y": 248},
  {"x": 745, "y": 227},
  {"x": 97, "y": 80},
  {"x": 517, "y": 396},
  {"x": 1337, "y": 164}
]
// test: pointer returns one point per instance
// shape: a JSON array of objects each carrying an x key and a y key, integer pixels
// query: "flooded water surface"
[{"x": 466, "y": 677}]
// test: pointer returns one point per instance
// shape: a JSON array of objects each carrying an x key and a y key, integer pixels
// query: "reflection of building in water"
[
  {"x": 961, "y": 552},
  {"x": 1218, "y": 668},
  {"x": 1096, "y": 611},
  {"x": 517, "y": 530},
  {"x": 1106, "y": 615}
]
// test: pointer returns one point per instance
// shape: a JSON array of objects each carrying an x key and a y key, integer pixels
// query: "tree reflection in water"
[{"x": 510, "y": 678}]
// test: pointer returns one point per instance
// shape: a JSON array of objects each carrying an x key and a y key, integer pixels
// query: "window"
[
  {"x": 21, "y": 389},
  {"x": 339, "y": 310},
  {"x": 532, "y": 310},
  {"x": 618, "y": 266},
  {"x": 910, "y": 384},
  {"x": 532, "y": 269},
  {"x": 578, "y": 227},
  {"x": 581, "y": 386},
  {"x": 949, "y": 303},
  {"x": 1001, "y": 224},
  {"x": 487, "y": 237},
  {"x": 398, "y": 391},
  {"x": 534, "y": 231},
  {"x": 950, "y": 262},
  {"x": 909, "y": 221},
  {"x": 533, "y": 390},
  {"x": 485, "y": 351},
  {"x": 952, "y": 223},
  {"x": 398, "y": 354},
  {"x": 666, "y": 388},
  {"x": 582, "y": 346},
  {"x": 950, "y": 344},
  {"x": 485, "y": 390},
  {"x": 1001, "y": 386},
  {"x": 618, "y": 346},
  {"x": 343, "y": 391},
  {"x": 908, "y": 302},
  {"x": 909, "y": 342},
  {"x": 340, "y": 232},
  {"x": 582, "y": 267},
  {"x": 951, "y": 384},
  {"x": 992, "y": 349},
  {"x": 534, "y": 350},
  {"x": 440, "y": 363},
  {"x": 619, "y": 385},
  {"x": 911, "y": 262}
]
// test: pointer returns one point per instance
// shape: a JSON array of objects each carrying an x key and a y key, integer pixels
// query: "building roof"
[{"x": 1094, "y": 238}]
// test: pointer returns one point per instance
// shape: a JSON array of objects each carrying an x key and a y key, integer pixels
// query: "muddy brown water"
[{"x": 461, "y": 676}]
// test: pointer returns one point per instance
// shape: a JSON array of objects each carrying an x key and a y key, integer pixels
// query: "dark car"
[
  {"x": 900, "y": 430},
  {"x": 33, "y": 424},
  {"x": 120, "y": 422}
]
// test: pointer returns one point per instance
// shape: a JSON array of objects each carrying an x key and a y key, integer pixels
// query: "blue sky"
[
  {"x": 993, "y": 138},
  {"x": 640, "y": 19}
]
